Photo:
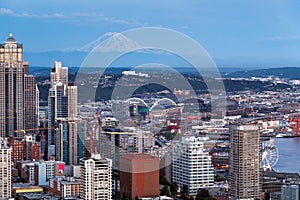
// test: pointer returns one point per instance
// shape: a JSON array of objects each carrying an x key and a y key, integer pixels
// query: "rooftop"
[
  {"x": 134, "y": 156},
  {"x": 11, "y": 39}
]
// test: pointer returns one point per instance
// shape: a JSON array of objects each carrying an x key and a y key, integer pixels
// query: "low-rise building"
[{"x": 64, "y": 187}]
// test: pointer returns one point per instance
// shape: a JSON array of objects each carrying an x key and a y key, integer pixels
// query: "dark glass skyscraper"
[
  {"x": 69, "y": 145},
  {"x": 57, "y": 108}
]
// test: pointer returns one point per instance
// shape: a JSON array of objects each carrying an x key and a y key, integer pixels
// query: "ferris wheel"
[{"x": 269, "y": 154}]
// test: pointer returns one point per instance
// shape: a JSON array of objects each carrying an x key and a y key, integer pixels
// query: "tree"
[
  {"x": 203, "y": 194},
  {"x": 166, "y": 191},
  {"x": 219, "y": 178},
  {"x": 173, "y": 188},
  {"x": 164, "y": 181}
]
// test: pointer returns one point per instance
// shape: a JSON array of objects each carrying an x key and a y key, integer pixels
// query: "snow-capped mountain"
[{"x": 110, "y": 42}]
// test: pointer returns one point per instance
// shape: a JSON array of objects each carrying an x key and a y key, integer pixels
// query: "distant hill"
[{"x": 283, "y": 72}]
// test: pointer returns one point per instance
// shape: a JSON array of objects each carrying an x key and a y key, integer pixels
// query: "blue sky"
[{"x": 234, "y": 32}]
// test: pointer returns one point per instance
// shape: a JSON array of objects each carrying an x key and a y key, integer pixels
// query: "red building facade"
[{"x": 139, "y": 175}]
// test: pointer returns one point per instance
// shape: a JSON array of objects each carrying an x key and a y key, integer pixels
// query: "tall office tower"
[
  {"x": 72, "y": 100},
  {"x": 57, "y": 108},
  {"x": 191, "y": 164},
  {"x": 139, "y": 175},
  {"x": 244, "y": 172},
  {"x": 69, "y": 141},
  {"x": 95, "y": 178},
  {"x": 59, "y": 74},
  {"x": 112, "y": 145},
  {"x": 31, "y": 103},
  {"x": 5, "y": 170},
  {"x": 11, "y": 87}
]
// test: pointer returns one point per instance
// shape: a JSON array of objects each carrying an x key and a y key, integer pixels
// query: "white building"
[
  {"x": 95, "y": 178},
  {"x": 59, "y": 74},
  {"x": 5, "y": 170},
  {"x": 45, "y": 170},
  {"x": 191, "y": 165}
]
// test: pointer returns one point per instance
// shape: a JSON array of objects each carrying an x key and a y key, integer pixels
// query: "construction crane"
[
  {"x": 93, "y": 149},
  {"x": 32, "y": 129}
]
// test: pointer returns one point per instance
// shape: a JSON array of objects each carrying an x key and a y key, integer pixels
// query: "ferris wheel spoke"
[{"x": 269, "y": 154}]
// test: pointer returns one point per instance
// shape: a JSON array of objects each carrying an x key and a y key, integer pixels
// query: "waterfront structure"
[
  {"x": 245, "y": 162},
  {"x": 139, "y": 175},
  {"x": 11, "y": 87},
  {"x": 191, "y": 164},
  {"x": 95, "y": 178},
  {"x": 5, "y": 169}
]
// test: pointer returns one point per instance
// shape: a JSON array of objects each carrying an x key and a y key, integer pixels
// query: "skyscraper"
[
  {"x": 57, "y": 108},
  {"x": 244, "y": 173},
  {"x": 65, "y": 128},
  {"x": 69, "y": 145},
  {"x": 5, "y": 170},
  {"x": 31, "y": 103},
  {"x": 95, "y": 178},
  {"x": 72, "y": 100},
  {"x": 191, "y": 165},
  {"x": 11, "y": 87},
  {"x": 59, "y": 74}
]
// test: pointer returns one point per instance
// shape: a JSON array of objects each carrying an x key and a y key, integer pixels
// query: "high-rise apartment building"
[
  {"x": 11, "y": 87},
  {"x": 69, "y": 140},
  {"x": 5, "y": 170},
  {"x": 191, "y": 164},
  {"x": 244, "y": 173},
  {"x": 95, "y": 178}
]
